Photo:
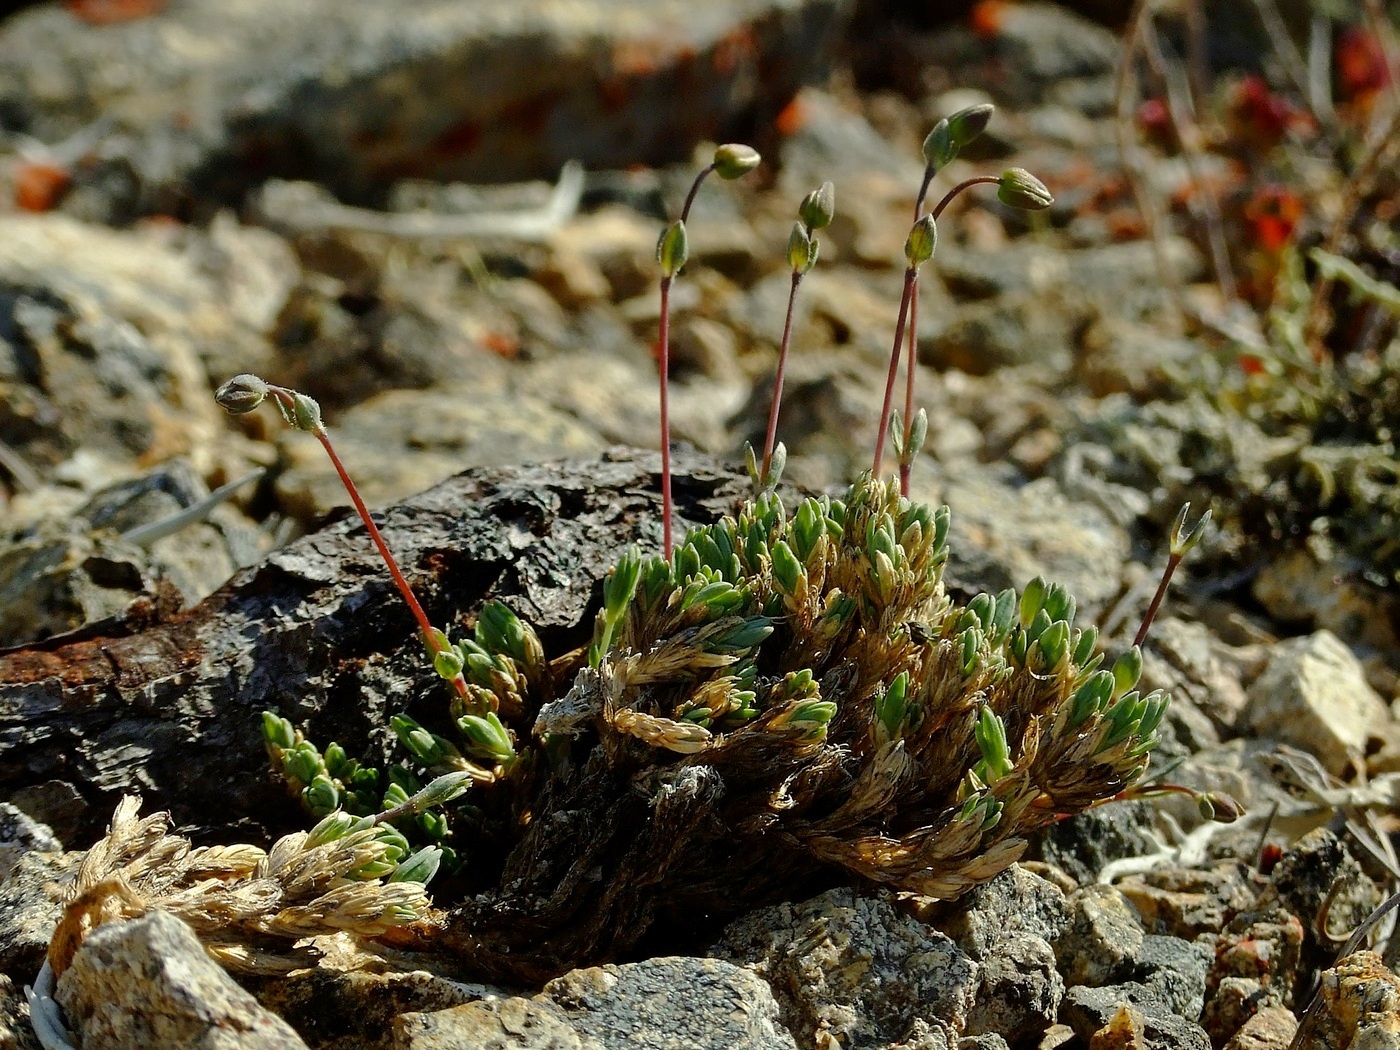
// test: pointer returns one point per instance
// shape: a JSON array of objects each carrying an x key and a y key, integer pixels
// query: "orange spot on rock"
[
  {"x": 507, "y": 346},
  {"x": 110, "y": 12},
  {"x": 986, "y": 17},
  {"x": 792, "y": 118}
]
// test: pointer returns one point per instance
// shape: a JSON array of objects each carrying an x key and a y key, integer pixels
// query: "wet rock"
[
  {"x": 853, "y": 968},
  {"x": 1359, "y": 1006},
  {"x": 660, "y": 1004},
  {"x": 1087, "y": 1010},
  {"x": 1103, "y": 941},
  {"x": 1014, "y": 902},
  {"x": 1021, "y": 989},
  {"x": 149, "y": 982},
  {"x": 1313, "y": 694},
  {"x": 479, "y": 92},
  {"x": 107, "y": 338},
  {"x": 1272, "y": 1028},
  {"x": 1087, "y": 841}
]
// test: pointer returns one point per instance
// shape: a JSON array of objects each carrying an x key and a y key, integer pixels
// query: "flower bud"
[
  {"x": 923, "y": 239},
  {"x": 1018, "y": 188},
  {"x": 939, "y": 148},
  {"x": 443, "y": 789},
  {"x": 802, "y": 249},
  {"x": 967, "y": 124},
  {"x": 672, "y": 249},
  {"x": 241, "y": 394},
  {"x": 734, "y": 160},
  {"x": 818, "y": 208},
  {"x": 1182, "y": 541}
]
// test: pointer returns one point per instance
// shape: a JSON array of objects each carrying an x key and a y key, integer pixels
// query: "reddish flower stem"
[
  {"x": 664, "y": 358},
  {"x": 400, "y": 581},
  {"x": 977, "y": 180},
  {"x": 694, "y": 189},
  {"x": 911, "y": 276},
  {"x": 1172, "y": 562},
  {"x": 772, "y": 436}
]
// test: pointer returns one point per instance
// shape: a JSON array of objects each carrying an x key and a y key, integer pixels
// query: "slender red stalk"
[
  {"x": 771, "y": 439},
  {"x": 911, "y": 276},
  {"x": 911, "y": 359},
  {"x": 1172, "y": 562},
  {"x": 664, "y": 355},
  {"x": 977, "y": 180}
]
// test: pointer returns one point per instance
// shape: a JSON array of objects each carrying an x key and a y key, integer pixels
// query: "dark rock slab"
[
  {"x": 208, "y": 97},
  {"x": 318, "y": 633}
]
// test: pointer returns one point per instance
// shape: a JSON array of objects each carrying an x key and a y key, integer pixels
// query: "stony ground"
[{"x": 375, "y": 209}]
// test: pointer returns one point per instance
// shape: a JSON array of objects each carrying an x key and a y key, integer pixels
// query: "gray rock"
[
  {"x": 1175, "y": 971},
  {"x": 1021, "y": 989},
  {"x": 1015, "y": 902},
  {"x": 28, "y": 910},
  {"x": 1313, "y": 694},
  {"x": 358, "y": 94},
  {"x": 853, "y": 968},
  {"x": 108, "y": 333},
  {"x": 15, "y": 1030},
  {"x": 1086, "y": 1010},
  {"x": 1319, "y": 869},
  {"x": 1006, "y": 535},
  {"x": 1083, "y": 844},
  {"x": 506, "y": 1024},
  {"x": 149, "y": 982},
  {"x": 1190, "y": 661},
  {"x": 1103, "y": 941},
  {"x": 20, "y": 834},
  {"x": 1187, "y": 902},
  {"x": 660, "y": 1004},
  {"x": 346, "y": 1009}
]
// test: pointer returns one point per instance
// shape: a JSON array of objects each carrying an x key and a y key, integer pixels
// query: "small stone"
[
  {"x": 1232, "y": 1001},
  {"x": 1020, "y": 992},
  {"x": 149, "y": 982},
  {"x": 516, "y": 1023},
  {"x": 1087, "y": 1010},
  {"x": 1184, "y": 902},
  {"x": 1175, "y": 970},
  {"x": 1104, "y": 938},
  {"x": 1272, "y": 1028},
  {"x": 1319, "y": 869},
  {"x": 853, "y": 968},
  {"x": 1014, "y": 902},
  {"x": 20, "y": 834},
  {"x": 1084, "y": 843},
  {"x": 1314, "y": 695},
  {"x": 1359, "y": 1006}
]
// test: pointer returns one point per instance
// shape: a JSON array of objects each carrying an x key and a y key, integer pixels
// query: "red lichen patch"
[
  {"x": 1362, "y": 71},
  {"x": 110, "y": 12},
  {"x": 40, "y": 185},
  {"x": 1273, "y": 213},
  {"x": 1261, "y": 117}
]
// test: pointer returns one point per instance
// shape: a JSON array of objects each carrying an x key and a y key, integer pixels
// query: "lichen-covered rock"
[
  {"x": 1185, "y": 902},
  {"x": 1175, "y": 971},
  {"x": 20, "y": 834},
  {"x": 852, "y": 968},
  {"x": 28, "y": 909},
  {"x": 1272, "y": 1028},
  {"x": 1016, "y": 901},
  {"x": 149, "y": 982},
  {"x": 15, "y": 1030},
  {"x": 1318, "y": 869}
]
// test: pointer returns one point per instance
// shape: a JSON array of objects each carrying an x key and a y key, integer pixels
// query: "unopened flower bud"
[
  {"x": 241, "y": 394},
  {"x": 967, "y": 124},
  {"x": 672, "y": 249},
  {"x": 818, "y": 208},
  {"x": 306, "y": 413},
  {"x": 1018, "y": 188},
  {"x": 939, "y": 148},
  {"x": 923, "y": 239},
  {"x": 801, "y": 252},
  {"x": 734, "y": 160}
]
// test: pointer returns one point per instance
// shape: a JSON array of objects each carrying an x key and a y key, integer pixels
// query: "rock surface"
[{"x": 149, "y": 982}]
